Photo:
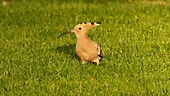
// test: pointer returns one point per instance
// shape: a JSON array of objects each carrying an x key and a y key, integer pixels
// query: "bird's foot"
[
  {"x": 84, "y": 62},
  {"x": 97, "y": 62}
]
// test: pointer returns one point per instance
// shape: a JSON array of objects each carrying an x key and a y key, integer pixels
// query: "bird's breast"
[{"x": 86, "y": 50}]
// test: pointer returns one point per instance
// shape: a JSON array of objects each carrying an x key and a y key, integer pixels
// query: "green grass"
[{"x": 134, "y": 38}]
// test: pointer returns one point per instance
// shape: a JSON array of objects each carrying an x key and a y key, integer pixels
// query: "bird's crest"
[{"x": 88, "y": 25}]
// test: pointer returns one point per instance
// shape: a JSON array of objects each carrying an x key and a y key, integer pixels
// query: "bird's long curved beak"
[{"x": 67, "y": 32}]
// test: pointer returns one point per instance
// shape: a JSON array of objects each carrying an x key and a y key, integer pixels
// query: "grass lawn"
[{"x": 134, "y": 38}]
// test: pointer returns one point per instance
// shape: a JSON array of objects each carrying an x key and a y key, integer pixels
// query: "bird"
[
  {"x": 86, "y": 49},
  {"x": 4, "y": 2}
]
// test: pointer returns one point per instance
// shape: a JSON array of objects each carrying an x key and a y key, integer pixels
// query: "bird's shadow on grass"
[{"x": 68, "y": 50}]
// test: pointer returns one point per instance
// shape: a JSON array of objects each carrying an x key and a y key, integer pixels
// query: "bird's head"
[{"x": 81, "y": 28}]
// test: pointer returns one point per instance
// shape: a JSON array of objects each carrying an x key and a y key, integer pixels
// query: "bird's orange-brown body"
[{"x": 86, "y": 49}]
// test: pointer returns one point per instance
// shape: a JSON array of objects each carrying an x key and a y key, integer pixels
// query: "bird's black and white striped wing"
[{"x": 100, "y": 54}]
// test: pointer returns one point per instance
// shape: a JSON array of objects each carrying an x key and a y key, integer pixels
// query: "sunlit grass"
[{"x": 134, "y": 39}]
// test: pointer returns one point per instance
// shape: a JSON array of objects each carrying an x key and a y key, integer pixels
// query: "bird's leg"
[
  {"x": 97, "y": 62},
  {"x": 84, "y": 62}
]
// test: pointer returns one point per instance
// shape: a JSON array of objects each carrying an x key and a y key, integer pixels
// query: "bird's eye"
[{"x": 80, "y": 28}]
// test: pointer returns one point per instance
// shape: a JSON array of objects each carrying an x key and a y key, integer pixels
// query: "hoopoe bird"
[
  {"x": 86, "y": 49},
  {"x": 4, "y": 2}
]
